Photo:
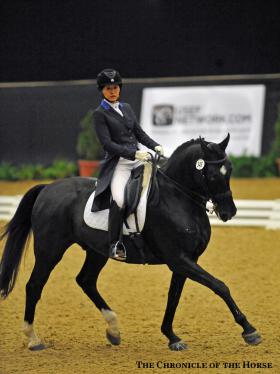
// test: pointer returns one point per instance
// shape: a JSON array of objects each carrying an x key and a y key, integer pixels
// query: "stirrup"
[{"x": 118, "y": 251}]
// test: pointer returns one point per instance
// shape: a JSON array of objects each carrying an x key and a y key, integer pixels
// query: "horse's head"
[
  {"x": 213, "y": 171},
  {"x": 205, "y": 169}
]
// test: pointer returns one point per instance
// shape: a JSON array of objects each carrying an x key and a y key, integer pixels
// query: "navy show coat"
[{"x": 119, "y": 137}]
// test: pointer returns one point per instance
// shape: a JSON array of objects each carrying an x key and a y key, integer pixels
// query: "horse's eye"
[{"x": 223, "y": 170}]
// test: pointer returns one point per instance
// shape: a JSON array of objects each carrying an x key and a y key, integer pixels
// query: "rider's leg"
[
  {"x": 116, "y": 218},
  {"x": 120, "y": 178},
  {"x": 116, "y": 215}
]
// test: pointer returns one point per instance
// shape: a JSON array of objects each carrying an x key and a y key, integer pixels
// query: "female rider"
[{"x": 119, "y": 134}]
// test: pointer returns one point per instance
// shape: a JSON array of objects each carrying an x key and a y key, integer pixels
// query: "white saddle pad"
[{"x": 99, "y": 220}]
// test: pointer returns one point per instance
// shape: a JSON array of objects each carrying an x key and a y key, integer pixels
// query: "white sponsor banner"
[{"x": 173, "y": 115}]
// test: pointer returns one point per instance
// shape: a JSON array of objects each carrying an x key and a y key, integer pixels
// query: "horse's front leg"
[
  {"x": 175, "y": 290},
  {"x": 192, "y": 270}
]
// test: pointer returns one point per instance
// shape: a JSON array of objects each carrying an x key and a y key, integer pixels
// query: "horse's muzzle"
[{"x": 225, "y": 208}]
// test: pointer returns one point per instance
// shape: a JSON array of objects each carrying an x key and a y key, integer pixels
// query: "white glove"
[
  {"x": 142, "y": 156},
  {"x": 159, "y": 149}
]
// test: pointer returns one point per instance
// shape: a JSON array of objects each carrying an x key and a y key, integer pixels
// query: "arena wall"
[{"x": 39, "y": 122}]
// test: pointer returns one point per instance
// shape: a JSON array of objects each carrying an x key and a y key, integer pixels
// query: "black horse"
[{"x": 176, "y": 233}]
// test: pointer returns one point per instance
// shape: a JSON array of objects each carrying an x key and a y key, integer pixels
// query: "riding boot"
[{"x": 116, "y": 218}]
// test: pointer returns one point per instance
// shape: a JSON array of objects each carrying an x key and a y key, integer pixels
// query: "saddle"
[{"x": 134, "y": 187}]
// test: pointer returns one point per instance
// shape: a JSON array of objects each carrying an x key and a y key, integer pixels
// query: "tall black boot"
[{"x": 116, "y": 218}]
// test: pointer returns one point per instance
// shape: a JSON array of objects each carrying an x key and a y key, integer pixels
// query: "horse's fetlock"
[
  {"x": 166, "y": 330},
  {"x": 240, "y": 319}
]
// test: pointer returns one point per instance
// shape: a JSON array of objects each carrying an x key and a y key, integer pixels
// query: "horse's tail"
[{"x": 17, "y": 232}]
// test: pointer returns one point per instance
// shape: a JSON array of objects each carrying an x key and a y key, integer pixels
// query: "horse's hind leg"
[
  {"x": 46, "y": 258},
  {"x": 87, "y": 280}
]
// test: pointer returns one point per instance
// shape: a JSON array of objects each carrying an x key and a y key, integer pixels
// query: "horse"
[{"x": 176, "y": 233}]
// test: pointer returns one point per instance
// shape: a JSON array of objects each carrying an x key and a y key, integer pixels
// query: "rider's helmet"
[{"x": 108, "y": 76}]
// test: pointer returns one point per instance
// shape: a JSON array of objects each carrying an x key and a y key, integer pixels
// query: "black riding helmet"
[{"x": 108, "y": 76}]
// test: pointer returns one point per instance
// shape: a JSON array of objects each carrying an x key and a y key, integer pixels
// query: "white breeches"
[{"x": 120, "y": 178}]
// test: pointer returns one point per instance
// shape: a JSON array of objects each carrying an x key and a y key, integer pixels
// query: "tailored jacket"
[{"x": 119, "y": 137}]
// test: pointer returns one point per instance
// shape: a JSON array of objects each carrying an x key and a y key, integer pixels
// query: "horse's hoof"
[
  {"x": 178, "y": 346},
  {"x": 38, "y": 347},
  {"x": 253, "y": 338},
  {"x": 114, "y": 340}
]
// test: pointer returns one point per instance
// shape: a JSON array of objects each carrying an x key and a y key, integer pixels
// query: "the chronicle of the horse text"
[{"x": 204, "y": 365}]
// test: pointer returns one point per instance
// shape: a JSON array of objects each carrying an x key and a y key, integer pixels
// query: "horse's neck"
[
  {"x": 175, "y": 196},
  {"x": 182, "y": 177}
]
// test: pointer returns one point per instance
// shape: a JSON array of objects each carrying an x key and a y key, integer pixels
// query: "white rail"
[
  {"x": 256, "y": 213},
  {"x": 8, "y": 206}
]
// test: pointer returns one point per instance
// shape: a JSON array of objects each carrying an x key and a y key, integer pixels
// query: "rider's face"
[{"x": 111, "y": 92}]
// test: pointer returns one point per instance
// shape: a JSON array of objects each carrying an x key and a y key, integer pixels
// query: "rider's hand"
[
  {"x": 159, "y": 149},
  {"x": 142, "y": 156}
]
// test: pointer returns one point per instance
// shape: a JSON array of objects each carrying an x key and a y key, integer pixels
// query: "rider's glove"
[
  {"x": 142, "y": 156},
  {"x": 159, "y": 149}
]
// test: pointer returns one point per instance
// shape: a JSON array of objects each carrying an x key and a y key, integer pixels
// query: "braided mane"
[
  {"x": 179, "y": 152},
  {"x": 187, "y": 144}
]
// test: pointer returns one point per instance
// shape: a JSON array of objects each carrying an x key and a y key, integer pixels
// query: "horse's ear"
[
  {"x": 204, "y": 144},
  {"x": 224, "y": 143}
]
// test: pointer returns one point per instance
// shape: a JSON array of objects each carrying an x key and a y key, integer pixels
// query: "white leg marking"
[
  {"x": 30, "y": 333},
  {"x": 111, "y": 318}
]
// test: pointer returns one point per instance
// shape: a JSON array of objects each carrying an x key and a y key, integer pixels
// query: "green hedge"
[
  {"x": 253, "y": 167},
  {"x": 59, "y": 169},
  {"x": 265, "y": 166}
]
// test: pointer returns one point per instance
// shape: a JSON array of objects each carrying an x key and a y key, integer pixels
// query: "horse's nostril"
[{"x": 224, "y": 217}]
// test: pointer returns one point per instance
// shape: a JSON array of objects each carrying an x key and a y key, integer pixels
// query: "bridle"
[
  {"x": 220, "y": 195},
  {"x": 197, "y": 198}
]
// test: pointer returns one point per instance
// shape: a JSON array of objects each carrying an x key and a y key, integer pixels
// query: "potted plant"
[{"x": 88, "y": 147}]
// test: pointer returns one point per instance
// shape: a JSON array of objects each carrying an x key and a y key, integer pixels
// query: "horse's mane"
[
  {"x": 210, "y": 146},
  {"x": 180, "y": 151}
]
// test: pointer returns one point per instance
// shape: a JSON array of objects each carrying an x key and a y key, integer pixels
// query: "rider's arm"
[
  {"x": 140, "y": 134},
  {"x": 106, "y": 141}
]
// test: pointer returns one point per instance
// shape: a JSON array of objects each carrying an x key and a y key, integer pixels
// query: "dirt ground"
[{"x": 246, "y": 259}]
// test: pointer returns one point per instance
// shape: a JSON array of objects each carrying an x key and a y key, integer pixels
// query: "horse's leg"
[
  {"x": 195, "y": 272},
  {"x": 175, "y": 290},
  {"x": 45, "y": 261},
  {"x": 87, "y": 280}
]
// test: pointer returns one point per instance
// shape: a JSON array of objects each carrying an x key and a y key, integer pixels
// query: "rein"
[{"x": 186, "y": 192}]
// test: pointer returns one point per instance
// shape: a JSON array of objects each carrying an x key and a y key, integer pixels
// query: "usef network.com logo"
[{"x": 163, "y": 115}]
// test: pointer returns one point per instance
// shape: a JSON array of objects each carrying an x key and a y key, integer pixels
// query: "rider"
[{"x": 119, "y": 133}]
